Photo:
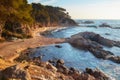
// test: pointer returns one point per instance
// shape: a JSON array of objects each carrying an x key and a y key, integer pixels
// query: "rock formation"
[
  {"x": 94, "y": 43},
  {"x": 15, "y": 72}
]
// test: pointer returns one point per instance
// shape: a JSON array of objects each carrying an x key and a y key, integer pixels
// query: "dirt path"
[{"x": 10, "y": 50}]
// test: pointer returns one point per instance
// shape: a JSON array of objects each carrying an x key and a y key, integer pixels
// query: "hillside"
[{"x": 18, "y": 18}]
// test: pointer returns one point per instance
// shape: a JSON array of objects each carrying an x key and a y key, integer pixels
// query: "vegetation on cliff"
[{"x": 18, "y": 18}]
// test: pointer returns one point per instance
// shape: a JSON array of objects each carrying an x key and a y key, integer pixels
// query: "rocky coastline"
[
  {"x": 25, "y": 68},
  {"x": 35, "y": 69}
]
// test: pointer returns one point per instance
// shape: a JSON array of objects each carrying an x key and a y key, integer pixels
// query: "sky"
[{"x": 87, "y": 9}]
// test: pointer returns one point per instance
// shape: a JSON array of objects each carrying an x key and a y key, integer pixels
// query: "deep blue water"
[{"x": 81, "y": 59}]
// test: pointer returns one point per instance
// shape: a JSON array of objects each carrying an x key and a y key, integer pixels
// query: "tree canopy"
[
  {"x": 15, "y": 13},
  {"x": 15, "y": 10}
]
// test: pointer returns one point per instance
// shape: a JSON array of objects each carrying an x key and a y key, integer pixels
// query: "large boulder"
[{"x": 15, "y": 72}]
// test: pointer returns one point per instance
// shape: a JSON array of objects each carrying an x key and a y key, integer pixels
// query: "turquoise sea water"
[{"x": 81, "y": 59}]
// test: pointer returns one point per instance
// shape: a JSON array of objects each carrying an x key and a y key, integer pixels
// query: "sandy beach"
[{"x": 10, "y": 50}]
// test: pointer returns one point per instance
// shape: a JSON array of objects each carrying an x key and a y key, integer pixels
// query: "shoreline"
[
  {"x": 35, "y": 67},
  {"x": 11, "y": 50}
]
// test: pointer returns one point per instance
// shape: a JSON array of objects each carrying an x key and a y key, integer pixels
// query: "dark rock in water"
[
  {"x": 92, "y": 26},
  {"x": 99, "y": 75},
  {"x": 105, "y": 25},
  {"x": 89, "y": 71},
  {"x": 60, "y": 61},
  {"x": 107, "y": 33},
  {"x": 116, "y": 28},
  {"x": 51, "y": 61},
  {"x": 58, "y": 46},
  {"x": 93, "y": 42},
  {"x": 97, "y": 38},
  {"x": 16, "y": 72},
  {"x": 99, "y": 53},
  {"x": 73, "y": 71},
  {"x": 88, "y": 22},
  {"x": 80, "y": 42},
  {"x": 115, "y": 59},
  {"x": 117, "y": 43},
  {"x": 90, "y": 74}
]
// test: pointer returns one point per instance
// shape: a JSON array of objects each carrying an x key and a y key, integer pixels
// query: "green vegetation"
[{"x": 18, "y": 18}]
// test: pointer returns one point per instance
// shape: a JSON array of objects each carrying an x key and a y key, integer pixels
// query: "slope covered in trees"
[{"x": 17, "y": 18}]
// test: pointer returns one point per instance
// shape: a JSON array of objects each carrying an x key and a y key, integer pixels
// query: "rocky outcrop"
[
  {"x": 97, "y": 38},
  {"x": 88, "y": 74},
  {"x": 53, "y": 70},
  {"x": 105, "y": 25},
  {"x": 15, "y": 72},
  {"x": 88, "y": 22},
  {"x": 99, "y": 75},
  {"x": 93, "y": 42}
]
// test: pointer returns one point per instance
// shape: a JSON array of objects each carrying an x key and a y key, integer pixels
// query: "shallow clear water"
[
  {"x": 81, "y": 59},
  {"x": 78, "y": 59}
]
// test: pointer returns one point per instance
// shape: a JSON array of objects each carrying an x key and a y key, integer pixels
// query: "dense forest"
[{"x": 18, "y": 18}]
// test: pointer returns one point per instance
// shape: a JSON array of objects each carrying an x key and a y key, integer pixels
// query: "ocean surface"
[{"x": 80, "y": 59}]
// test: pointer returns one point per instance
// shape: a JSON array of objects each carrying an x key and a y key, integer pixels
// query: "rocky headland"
[{"x": 94, "y": 43}]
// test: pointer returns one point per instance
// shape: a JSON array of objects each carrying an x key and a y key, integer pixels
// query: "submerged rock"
[{"x": 58, "y": 46}]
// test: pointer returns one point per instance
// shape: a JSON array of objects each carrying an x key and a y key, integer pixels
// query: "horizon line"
[{"x": 93, "y": 19}]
